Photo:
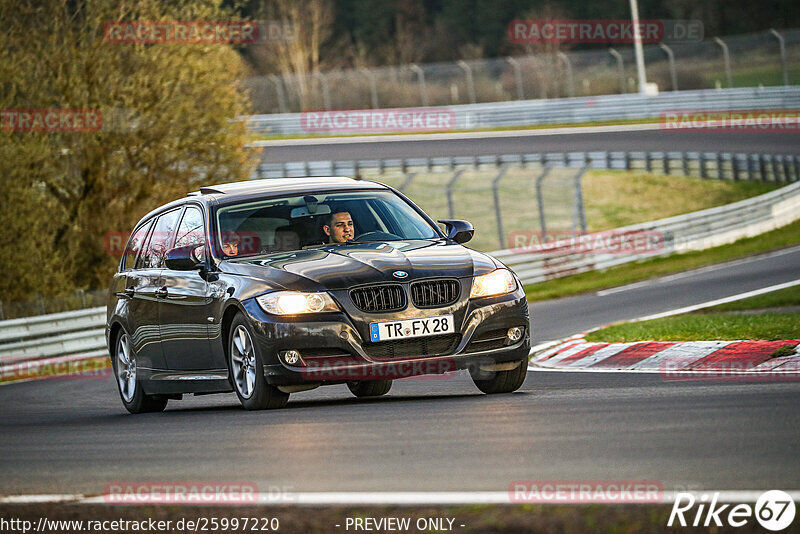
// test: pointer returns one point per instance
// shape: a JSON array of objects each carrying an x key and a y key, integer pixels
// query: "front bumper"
[{"x": 333, "y": 349}]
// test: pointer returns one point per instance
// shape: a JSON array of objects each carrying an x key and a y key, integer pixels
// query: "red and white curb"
[{"x": 713, "y": 358}]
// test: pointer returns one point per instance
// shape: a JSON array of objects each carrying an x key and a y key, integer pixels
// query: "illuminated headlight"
[
  {"x": 497, "y": 282},
  {"x": 295, "y": 303}
]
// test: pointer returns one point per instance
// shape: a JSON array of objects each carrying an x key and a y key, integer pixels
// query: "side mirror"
[
  {"x": 457, "y": 230},
  {"x": 183, "y": 259}
]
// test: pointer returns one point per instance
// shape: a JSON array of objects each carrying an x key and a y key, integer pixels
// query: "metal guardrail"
[
  {"x": 578, "y": 110},
  {"x": 716, "y": 165},
  {"x": 692, "y": 231},
  {"x": 78, "y": 334}
]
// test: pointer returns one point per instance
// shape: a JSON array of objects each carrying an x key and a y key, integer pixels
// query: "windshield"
[{"x": 336, "y": 218}]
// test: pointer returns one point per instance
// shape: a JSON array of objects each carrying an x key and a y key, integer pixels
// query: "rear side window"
[
  {"x": 160, "y": 240},
  {"x": 191, "y": 231},
  {"x": 135, "y": 245}
]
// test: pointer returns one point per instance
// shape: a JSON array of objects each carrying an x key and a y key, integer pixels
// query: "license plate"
[{"x": 408, "y": 328}]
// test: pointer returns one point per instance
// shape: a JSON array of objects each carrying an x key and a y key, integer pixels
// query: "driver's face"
[{"x": 341, "y": 228}]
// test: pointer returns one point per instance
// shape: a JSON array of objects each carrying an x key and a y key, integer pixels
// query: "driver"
[{"x": 339, "y": 227}]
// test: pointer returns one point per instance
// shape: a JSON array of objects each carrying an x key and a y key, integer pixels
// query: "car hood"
[{"x": 341, "y": 267}]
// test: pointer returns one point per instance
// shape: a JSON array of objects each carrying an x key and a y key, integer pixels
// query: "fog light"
[
  {"x": 515, "y": 334},
  {"x": 292, "y": 357}
]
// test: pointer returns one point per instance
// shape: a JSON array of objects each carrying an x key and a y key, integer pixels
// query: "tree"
[
  {"x": 311, "y": 23},
  {"x": 168, "y": 125}
]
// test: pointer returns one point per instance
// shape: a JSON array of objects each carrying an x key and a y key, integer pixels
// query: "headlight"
[
  {"x": 294, "y": 303},
  {"x": 497, "y": 282}
]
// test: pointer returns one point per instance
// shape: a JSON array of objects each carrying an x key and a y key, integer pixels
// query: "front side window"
[
  {"x": 160, "y": 240},
  {"x": 291, "y": 223},
  {"x": 135, "y": 245}
]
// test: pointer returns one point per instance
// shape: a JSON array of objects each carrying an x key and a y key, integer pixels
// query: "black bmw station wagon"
[{"x": 272, "y": 287}]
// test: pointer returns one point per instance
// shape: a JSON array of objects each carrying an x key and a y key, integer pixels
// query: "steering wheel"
[{"x": 377, "y": 236}]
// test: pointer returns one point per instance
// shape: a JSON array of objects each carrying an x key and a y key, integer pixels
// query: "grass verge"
[
  {"x": 641, "y": 270},
  {"x": 729, "y": 321},
  {"x": 775, "y": 299},
  {"x": 699, "y": 327}
]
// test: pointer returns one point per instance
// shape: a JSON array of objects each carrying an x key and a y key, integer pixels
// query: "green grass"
[
  {"x": 641, "y": 270},
  {"x": 613, "y": 199},
  {"x": 768, "y": 74},
  {"x": 775, "y": 299},
  {"x": 694, "y": 327}
]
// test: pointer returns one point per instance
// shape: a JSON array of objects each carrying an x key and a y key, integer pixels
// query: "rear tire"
[
  {"x": 130, "y": 389},
  {"x": 370, "y": 388},
  {"x": 502, "y": 381},
  {"x": 246, "y": 367}
]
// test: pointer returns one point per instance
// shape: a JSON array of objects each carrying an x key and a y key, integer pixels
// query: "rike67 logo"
[{"x": 774, "y": 510}]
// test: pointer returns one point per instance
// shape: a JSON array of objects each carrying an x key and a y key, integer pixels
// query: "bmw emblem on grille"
[{"x": 400, "y": 274}]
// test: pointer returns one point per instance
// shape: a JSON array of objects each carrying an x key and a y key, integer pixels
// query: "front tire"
[
  {"x": 247, "y": 371},
  {"x": 370, "y": 388},
  {"x": 502, "y": 381},
  {"x": 130, "y": 389}
]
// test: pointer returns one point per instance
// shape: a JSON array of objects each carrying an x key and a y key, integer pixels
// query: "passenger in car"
[{"x": 230, "y": 244}]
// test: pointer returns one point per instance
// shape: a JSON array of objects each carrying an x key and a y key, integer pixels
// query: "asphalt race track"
[
  {"x": 382, "y": 147},
  {"x": 74, "y": 436}
]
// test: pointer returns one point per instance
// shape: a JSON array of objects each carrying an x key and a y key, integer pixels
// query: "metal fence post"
[
  {"x": 579, "y": 214},
  {"x": 373, "y": 88},
  {"x": 326, "y": 96},
  {"x": 762, "y": 167},
  {"x": 720, "y": 170},
  {"x": 2, "y": 313},
  {"x": 685, "y": 163},
  {"x": 421, "y": 79},
  {"x": 665, "y": 163},
  {"x": 517, "y": 77},
  {"x": 570, "y": 80},
  {"x": 784, "y": 65},
  {"x": 727, "y": 59},
  {"x": 470, "y": 81},
  {"x": 497, "y": 212},
  {"x": 540, "y": 201},
  {"x": 776, "y": 173},
  {"x": 797, "y": 168},
  {"x": 702, "y": 163},
  {"x": 450, "y": 185},
  {"x": 620, "y": 69},
  {"x": 673, "y": 74},
  {"x": 407, "y": 182},
  {"x": 279, "y": 92},
  {"x": 648, "y": 162}
]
